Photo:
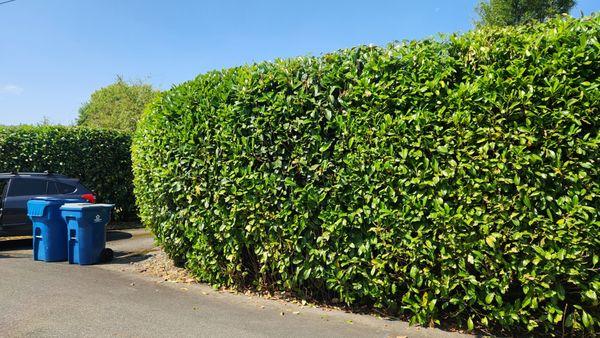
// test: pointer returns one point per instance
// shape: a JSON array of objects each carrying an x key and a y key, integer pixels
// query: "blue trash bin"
[
  {"x": 49, "y": 228},
  {"x": 86, "y": 226}
]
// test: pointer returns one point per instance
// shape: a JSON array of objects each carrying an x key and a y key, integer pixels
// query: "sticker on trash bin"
[{"x": 98, "y": 219}]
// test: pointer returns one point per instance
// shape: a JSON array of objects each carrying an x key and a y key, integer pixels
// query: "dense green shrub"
[
  {"x": 453, "y": 180},
  {"x": 101, "y": 159}
]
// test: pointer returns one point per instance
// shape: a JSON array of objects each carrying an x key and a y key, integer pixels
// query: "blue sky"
[{"x": 55, "y": 53}]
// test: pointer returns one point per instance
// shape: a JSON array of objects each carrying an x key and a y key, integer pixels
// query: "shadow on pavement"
[
  {"x": 120, "y": 257},
  {"x": 116, "y": 235},
  {"x": 26, "y": 243},
  {"x": 124, "y": 257},
  {"x": 16, "y": 244}
]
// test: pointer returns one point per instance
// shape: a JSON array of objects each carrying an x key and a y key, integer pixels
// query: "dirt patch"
[{"x": 159, "y": 265}]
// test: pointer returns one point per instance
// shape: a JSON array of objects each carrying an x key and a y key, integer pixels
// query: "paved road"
[{"x": 58, "y": 299}]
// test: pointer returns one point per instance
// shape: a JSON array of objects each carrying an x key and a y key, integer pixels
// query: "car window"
[
  {"x": 64, "y": 188},
  {"x": 27, "y": 187},
  {"x": 52, "y": 190},
  {"x": 3, "y": 183}
]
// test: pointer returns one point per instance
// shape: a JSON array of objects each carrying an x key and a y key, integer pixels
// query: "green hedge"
[
  {"x": 101, "y": 159},
  {"x": 445, "y": 180}
]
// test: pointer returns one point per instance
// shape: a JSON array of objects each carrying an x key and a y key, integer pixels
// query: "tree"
[
  {"x": 515, "y": 12},
  {"x": 116, "y": 106}
]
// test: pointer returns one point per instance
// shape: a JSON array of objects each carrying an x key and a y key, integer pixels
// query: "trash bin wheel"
[{"x": 107, "y": 255}]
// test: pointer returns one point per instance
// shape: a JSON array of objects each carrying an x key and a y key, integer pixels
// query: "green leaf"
[
  {"x": 591, "y": 295},
  {"x": 413, "y": 272},
  {"x": 527, "y": 202},
  {"x": 586, "y": 319},
  {"x": 491, "y": 240}
]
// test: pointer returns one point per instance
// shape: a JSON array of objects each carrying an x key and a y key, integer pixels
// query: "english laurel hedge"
[
  {"x": 101, "y": 159},
  {"x": 451, "y": 179}
]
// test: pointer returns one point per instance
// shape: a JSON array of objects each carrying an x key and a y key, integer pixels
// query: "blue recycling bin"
[
  {"x": 86, "y": 227},
  {"x": 49, "y": 228}
]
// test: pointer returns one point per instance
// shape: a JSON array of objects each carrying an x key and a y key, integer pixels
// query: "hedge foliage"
[
  {"x": 451, "y": 179},
  {"x": 101, "y": 159}
]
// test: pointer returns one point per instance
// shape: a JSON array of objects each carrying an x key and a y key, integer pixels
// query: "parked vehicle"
[{"x": 16, "y": 189}]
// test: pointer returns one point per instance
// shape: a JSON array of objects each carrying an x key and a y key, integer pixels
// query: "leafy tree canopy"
[
  {"x": 116, "y": 106},
  {"x": 515, "y": 12}
]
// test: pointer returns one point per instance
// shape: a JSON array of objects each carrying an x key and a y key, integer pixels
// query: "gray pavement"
[{"x": 58, "y": 299}]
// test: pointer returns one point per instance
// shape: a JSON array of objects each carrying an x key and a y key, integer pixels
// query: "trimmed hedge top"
[
  {"x": 443, "y": 180},
  {"x": 101, "y": 159}
]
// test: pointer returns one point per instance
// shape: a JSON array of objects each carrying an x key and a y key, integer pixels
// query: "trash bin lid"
[
  {"x": 36, "y": 208},
  {"x": 37, "y": 205}
]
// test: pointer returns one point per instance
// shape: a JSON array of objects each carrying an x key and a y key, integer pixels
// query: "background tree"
[
  {"x": 117, "y": 106},
  {"x": 514, "y": 12}
]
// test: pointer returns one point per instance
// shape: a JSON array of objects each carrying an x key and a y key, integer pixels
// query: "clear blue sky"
[{"x": 55, "y": 53}]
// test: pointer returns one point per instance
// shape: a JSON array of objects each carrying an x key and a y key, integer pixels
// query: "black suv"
[{"x": 18, "y": 188}]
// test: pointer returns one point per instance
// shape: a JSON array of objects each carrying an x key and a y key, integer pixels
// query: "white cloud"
[{"x": 11, "y": 89}]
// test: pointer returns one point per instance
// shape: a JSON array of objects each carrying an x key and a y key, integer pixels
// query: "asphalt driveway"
[{"x": 58, "y": 299}]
